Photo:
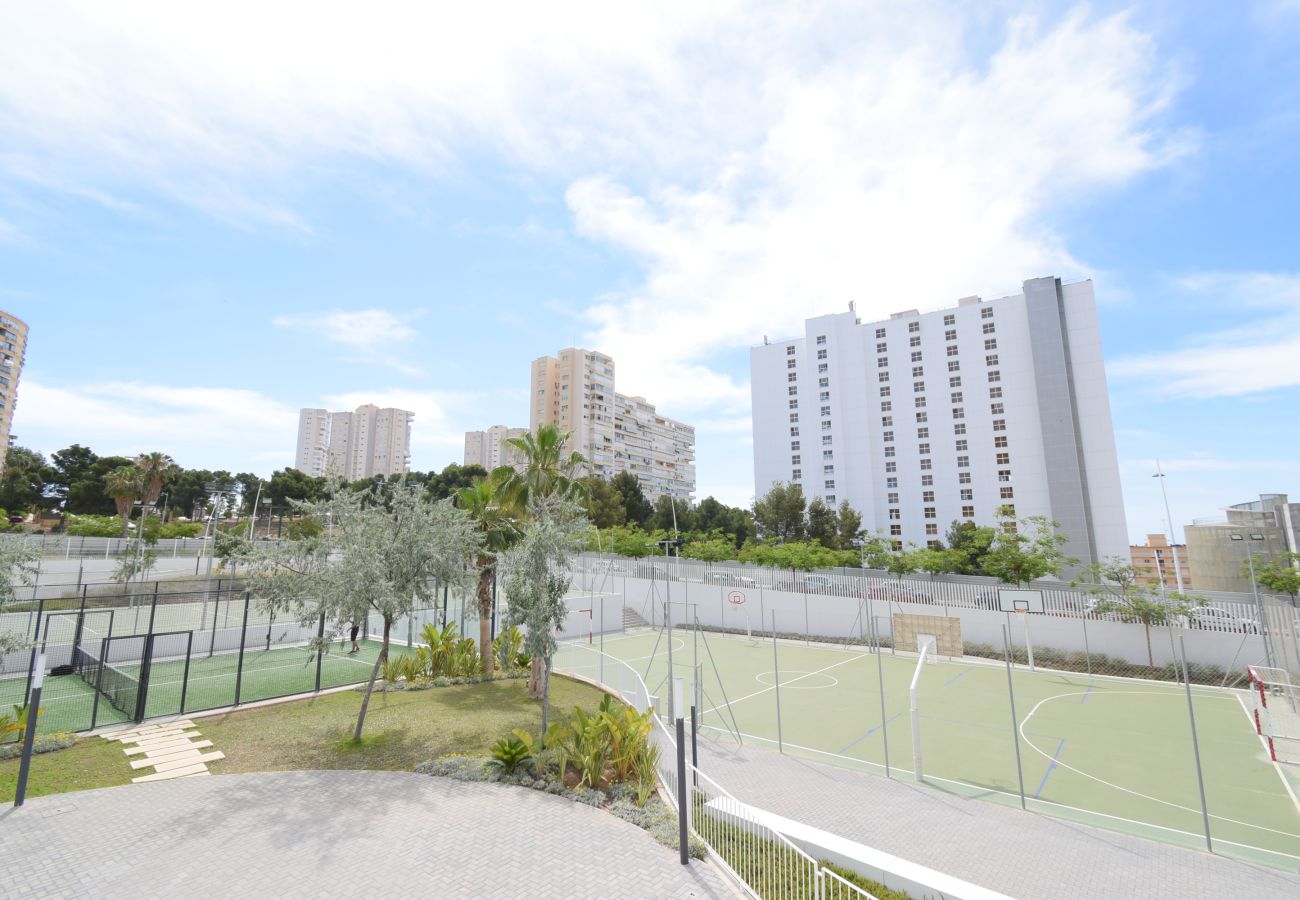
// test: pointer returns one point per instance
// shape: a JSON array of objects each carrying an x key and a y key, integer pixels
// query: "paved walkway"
[
  {"x": 334, "y": 834},
  {"x": 1024, "y": 855}
]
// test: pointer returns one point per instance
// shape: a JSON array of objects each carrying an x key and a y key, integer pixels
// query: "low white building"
[{"x": 923, "y": 419}]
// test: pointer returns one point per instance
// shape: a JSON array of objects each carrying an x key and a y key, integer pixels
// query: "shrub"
[{"x": 510, "y": 755}]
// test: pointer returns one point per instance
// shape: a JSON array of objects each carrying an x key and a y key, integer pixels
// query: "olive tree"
[
  {"x": 1113, "y": 582},
  {"x": 19, "y": 566},
  {"x": 381, "y": 555}
]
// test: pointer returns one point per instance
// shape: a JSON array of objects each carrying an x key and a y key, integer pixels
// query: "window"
[
  {"x": 824, "y": 395},
  {"x": 929, "y": 512},
  {"x": 991, "y": 359},
  {"x": 952, "y": 349},
  {"x": 931, "y": 528},
  {"x": 988, "y": 328},
  {"x": 918, "y": 371},
  {"x": 958, "y": 412},
  {"x": 895, "y": 513},
  {"x": 963, "y": 462},
  {"x": 882, "y": 376},
  {"x": 892, "y": 498},
  {"x": 822, "y": 367},
  {"x": 794, "y": 432},
  {"x": 794, "y": 445},
  {"x": 991, "y": 344},
  {"x": 884, "y": 391},
  {"x": 882, "y": 362},
  {"x": 956, "y": 397},
  {"x": 791, "y": 363},
  {"x": 880, "y": 332},
  {"x": 926, "y": 465},
  {"x": 886, "y": 421},
  {"x": 968, "y": 512},
  {"x": 1000, "y": 441},
  {"x": 922, "y": 433},
  {"x": 913, "y": 327},
  {"x": 796, "y": 460},
  {"x": 826, "y": 424},
  {"x": 880, "y": 348},
  {"x": 922, "y": 417},
  {"x": 823, "y": 382},
  {"x": 959, "y": 428},
  {"x": 828, "y": 454},
  {"x": 950, "y": 335},
  {"x": 923, "y": 449},
  {"x": 927, "y": 481},
  {"x": 919, "y": 402},
  {"x": 1004, "y": 474},
  {"x": 796, "y": 474},
  {"x": 826, "y": 410},
  {"x": 821, "y": 339},
  {"x": 954, "y": 365},
  {"x": 916, "y": 356},
  {"x": 895, "y": 530},
  {"x": 927, "y": 497},
  {"x": 793, "y": 376},
  {"x": 830, "y": 499},
  {"x": 886, "y": 406},
  {"x": 828, "y": 470},
  {"x": 918, "y": 387},
  {"x": 827, "y": 440},
  {"x": 794, "y": 417},
  {"x": 891, "y": 482},
  {"x": 986, "y": 312},
  {"x": 914, "y": 342},
  {"x": 789, "y": 351},
  {"x": 967, "y": 494},
  {"x": 954, "y": 381},
  {"x": 1007, "y": 509},
  {"x": 995, "y": 393},
  {"x": 794, "y": 404},
  {"x": 1006, "y": 493},
  {"x": 891, "y": 467},
  {"x": 963, "y": 477},
  {"x": 961, "y": 446},
  {"x": 828, "y": 485},
  {"x": 995, "y": 375},
  {"x": 792, "y": 391},
  {"x": 999, "y": 424},
  {"x": 821, "y": 354},
  {"x": 889, "y": 451},
  {"x": 889, "y": 436},
  {"x": 1003, "y": 459},
  {"x": 996, "y": 409}
]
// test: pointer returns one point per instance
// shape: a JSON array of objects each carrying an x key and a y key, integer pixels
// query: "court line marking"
[
  {"x": 835, "y": 682},
  {"x": 784, "y": 683},
  {"x": 1048, "y": 774},
  {"x": 870, "y": 732},
  {"x": 1277, "y": 767},
  {"x": 1125, "y": 790}
]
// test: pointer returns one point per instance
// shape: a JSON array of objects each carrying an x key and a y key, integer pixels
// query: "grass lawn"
[{"x": 403, "y": 729}]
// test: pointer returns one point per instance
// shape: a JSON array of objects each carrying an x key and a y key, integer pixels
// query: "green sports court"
[{"x": 1107, "y": 751}]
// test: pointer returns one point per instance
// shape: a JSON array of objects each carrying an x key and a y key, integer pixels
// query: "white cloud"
[
  {"x": 365, "y": 329},
  {"x": 1259, "y": 355}
]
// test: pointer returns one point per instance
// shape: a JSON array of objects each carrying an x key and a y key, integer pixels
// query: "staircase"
[{"x": 633, "y": 619}]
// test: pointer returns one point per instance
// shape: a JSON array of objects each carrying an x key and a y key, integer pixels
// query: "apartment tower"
[
  {"x": 923, "y": 419},
  {"x": 360, "y": 444},
  {"x": 490, "y": 449},
  {"x": 13, "y": 351}
]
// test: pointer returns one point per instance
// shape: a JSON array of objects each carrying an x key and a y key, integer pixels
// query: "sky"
[{"x": 213, "y": 217}]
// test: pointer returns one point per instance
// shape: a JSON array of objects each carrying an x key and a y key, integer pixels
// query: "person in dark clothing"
[{"x": 353, "y": 635}]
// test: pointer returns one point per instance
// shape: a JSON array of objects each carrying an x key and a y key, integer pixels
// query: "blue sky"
[{"x": 211, "y": 220}]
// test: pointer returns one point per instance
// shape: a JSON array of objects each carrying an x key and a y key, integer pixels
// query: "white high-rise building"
[
  {"x": 923, "y": 419},
  {"x": 490, "y": 449},
  {"x": 369, "y": 441}
]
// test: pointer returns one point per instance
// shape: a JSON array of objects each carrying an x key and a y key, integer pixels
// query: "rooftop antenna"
[
  {"x": 853, "y": 306},
  {"x": 765, "y": 341}
]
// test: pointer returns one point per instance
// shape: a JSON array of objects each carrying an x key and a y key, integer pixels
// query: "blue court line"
[
  {"x": 870, "y": 733},
  {"x": 1048, "y": 773},
  {"x": 1086, "y": 693},
  {"x": 962, "y": 673}
]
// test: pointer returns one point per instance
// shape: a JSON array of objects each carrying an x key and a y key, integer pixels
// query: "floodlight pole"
[
  {"x": 1173, "y": 541},
  {"x": 1254, "y": 590}
]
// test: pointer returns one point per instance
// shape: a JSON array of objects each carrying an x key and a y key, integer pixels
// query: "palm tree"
[
  {"x": 496, "y": 517},
  {"x": 547, "y": 468},
  {"x": 156, "y": 469},
  {"x": 124, "y": 484}
]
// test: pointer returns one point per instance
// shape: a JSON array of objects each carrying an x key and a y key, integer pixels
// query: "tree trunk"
[
  {"x": 370, "y": 685},
  {"x": 535, "y": 679},
  {"x": 1151, "y": 660},
  {"x": 546, "y": 695},
  {"x": 485, "y": 619}
]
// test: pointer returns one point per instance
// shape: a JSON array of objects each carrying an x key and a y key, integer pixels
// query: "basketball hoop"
[{"x": 736, "y": 598}]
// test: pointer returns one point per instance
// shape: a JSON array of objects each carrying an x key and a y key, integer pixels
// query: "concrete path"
[
  {"x": 334, "y": 834},
  {"x": 1024, "y": 855}
]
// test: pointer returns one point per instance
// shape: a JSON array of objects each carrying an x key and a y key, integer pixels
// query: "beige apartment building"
[
  {"x": 13, "y": 350},
  {"x": 490, "y": 449},
  {"x": 1259, "y": 530},
  {"x": 1153, "y": 563},
  {"x": 366, "y": 442},
  {"x": 615, "y": 432}
]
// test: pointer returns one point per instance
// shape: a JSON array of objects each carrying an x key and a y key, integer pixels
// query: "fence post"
[
  {"x": 31, "y": 663},
  {"x": 185, "y": 678},
  {"x": 1196, "y": 747},
  {"x": 320, "y": 648},
  {"x": 1015, "y": 723},
  {"x": 880, "y": 675},
  {"x": 216, "y": 610},
  {"x": 683, "y": 838},
  {"x": 243, "y": 634}
]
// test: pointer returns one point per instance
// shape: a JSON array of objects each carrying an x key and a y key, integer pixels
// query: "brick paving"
[
  {"x": 334, "y": 834},
  {"x": 1024, "y": 855}
]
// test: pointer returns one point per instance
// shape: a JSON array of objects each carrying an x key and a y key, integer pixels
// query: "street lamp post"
[
  {"x": 1173, "y": 541},
  {"x": 1254, "y": 588}
]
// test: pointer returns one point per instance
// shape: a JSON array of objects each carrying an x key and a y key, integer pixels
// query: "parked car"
[
  {"x": 727, "y": 576},
  {"x": 1216, "y": 619},
  {"x": 605, "y": 566},
  {"x": 897, "y": 593}
]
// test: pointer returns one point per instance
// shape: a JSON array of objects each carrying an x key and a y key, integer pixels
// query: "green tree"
[
  {"x": 603, "y": 503},
  {"x": 823, "y": 524},
  {"x": 665, "y": 508},
  {"x": 1281, "y": 574},
  {"x": 156, "y": 469},
  {"x": 451, "y": 479},
  {"x": 23, "y": 480},
  {"x": 288, "y": 485},
  {"x": 496, "y": 519},
  {"x": 1113, "y": 583},
  {"x": 19, "y": 567},
  {"x": 636, "y": 509},
  {"x": 123, "y": 484},
  {"x": 548, "y": 468},
  {"x": 711, "y": 549},
  {"x": 381, "y": 556},
  {"x": 934, "y": 561},
  {"x": 622, "y": 540},
  {"x": 1026, "y": 550},
  {"x": 850, "y": 523},
  {"x": 69, "y": 466},
  {"x": 970, "y": 543},
  {"x": 779, "y": 513}
]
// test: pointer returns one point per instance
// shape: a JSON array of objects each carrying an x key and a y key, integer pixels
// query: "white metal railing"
[{"x": 761, "y": 859}]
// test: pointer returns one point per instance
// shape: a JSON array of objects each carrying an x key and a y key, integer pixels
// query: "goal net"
[{"x": 1277, "y": 712}]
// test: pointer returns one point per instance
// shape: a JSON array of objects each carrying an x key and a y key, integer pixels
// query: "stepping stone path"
[{"x": 167, "y": 749}]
